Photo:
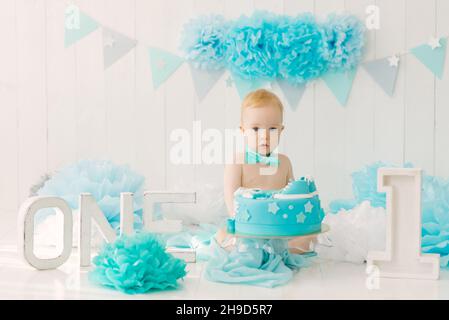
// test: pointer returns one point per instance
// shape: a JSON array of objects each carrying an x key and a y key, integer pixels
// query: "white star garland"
[
  {"x": 434, "y": 43},
  {"x": 393, "y": 61}
]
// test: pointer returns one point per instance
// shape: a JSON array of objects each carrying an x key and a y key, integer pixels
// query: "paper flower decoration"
[
  {"x": 300, "y": 49},
  {"x": 268, "y": 46},
  {"x": 344, "y": 37},
  {"x": 103, "y": 179},
  {"x": 250, "y": 52},
  {"x": 136, "y": 264},
  {"x": 353, "y": 233},
  {"x": 203, "y": 40}
]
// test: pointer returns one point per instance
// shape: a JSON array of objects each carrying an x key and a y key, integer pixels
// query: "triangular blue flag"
[
  {"x": 77, "y": 25},
  {"x": 163, "y": 65},
  {"x": 204, "y": 81},
  {"x": 115, "y": 46},
  {"x": 383, "y": 73},
  {"x": 340, "y": 83},
  {"x": 292, "y": 93},
  {"x": 433, "y": 59},
  {"x": 246, "y": 86}
]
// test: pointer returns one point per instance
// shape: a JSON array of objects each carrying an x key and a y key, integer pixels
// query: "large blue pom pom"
[
  {"x": 268, "y": 46},
  {"x": 344, "y": 36},
  {"x": 203, "y": 41},
  {"x": 103, "y": 179},
  {"x": 250, "y": 52},
  {"x": 299, "y": 48},
  {"x": 137, "y": 264}
]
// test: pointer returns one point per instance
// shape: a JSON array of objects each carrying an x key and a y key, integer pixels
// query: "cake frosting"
[{"x": 292, "y": 211}]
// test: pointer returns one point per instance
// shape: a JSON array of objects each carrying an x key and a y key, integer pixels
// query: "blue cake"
[{"x": 292, "y": 211}]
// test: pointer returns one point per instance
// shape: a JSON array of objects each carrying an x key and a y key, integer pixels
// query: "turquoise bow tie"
[{"x": 252, "y": 157}]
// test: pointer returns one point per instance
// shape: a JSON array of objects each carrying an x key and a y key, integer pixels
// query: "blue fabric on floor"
[{"x": 264, "y": 263}]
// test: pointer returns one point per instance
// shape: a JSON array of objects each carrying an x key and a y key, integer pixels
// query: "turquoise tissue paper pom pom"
[
  {"x": 269, "y": 46},
  {"x": 250, "y": 51},
  {"x": 344, "y": 36},
  {"x": 103, "y": 179},
  {"x": 300, "y": 47},
  {"x": 204, "y": 41},
  {"x": 136, "y": 264}
]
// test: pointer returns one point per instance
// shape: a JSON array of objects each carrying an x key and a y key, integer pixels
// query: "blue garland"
[
  {"x": 434, "y": 202},
  {"x": 269, "y": 46}
]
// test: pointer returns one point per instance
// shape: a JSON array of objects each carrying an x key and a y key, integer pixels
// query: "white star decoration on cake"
[
  {"x": 308, "y": 207},
  {"x": 434, "y": 43},
  {"x": 394, "y": 61},
  {"x": 300, "y": 218},
  {"x": 246, "y": 216},
  {"x": 273, "y": 207}
]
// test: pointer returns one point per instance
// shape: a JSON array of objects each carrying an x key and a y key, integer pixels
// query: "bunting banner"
[
  {"x": 204, "y": 81},
  {"x": 292, "y": 94},
  {"x": 340, "y": 84},
  {"x": 384, "y": 72},
  {"x": 432, "y": 55},
  {"x": 115, "y": 46},
  {"x": 246, "y": 86},
  {"x": 163, "y": 64},
  {"x": 77, "y": 25}
]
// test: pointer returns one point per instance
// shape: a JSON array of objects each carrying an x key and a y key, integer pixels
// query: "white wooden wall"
[{"x": 58, "y": 105}]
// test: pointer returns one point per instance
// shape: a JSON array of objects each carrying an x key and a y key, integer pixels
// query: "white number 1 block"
[{"x": 402, "y": 257}]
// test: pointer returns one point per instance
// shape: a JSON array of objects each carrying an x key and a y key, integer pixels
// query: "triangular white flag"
[
  {"x": 384, "y": 71},
  {"x": 115, "y": 46},
  {"x": 292, "y": 93},
  {"x": 204, "y": 81}
]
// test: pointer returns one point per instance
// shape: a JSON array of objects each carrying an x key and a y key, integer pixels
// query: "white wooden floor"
[{"x": 323, "y": 280}]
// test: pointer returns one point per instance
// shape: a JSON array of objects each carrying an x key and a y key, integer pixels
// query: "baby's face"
[{"x": 262, "y": 127}]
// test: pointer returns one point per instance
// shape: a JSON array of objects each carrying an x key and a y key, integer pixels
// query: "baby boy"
[{"x": 260, "y": 166}]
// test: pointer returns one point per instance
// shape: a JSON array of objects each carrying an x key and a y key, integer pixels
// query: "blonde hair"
[{"x": 260, "y": 98}]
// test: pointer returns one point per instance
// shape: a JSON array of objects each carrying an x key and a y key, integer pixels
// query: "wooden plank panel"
[
  {"x": 61, "y": 91},
  {"x": 32, "y": 99},
  {"x": 330, "y": 126},
  {"x": 120, "y": 86},
  {"x": 419, "y": 88},
  {"x": 211, "y": 111},
  {"x": 442, "y": 98},
  {"x": 389, "y": 111},
  {"x": 92, "y": 121},
  {"x": 180, "y": 95},
  {"x": 299, "y": 133},
  {"x": 149, "y": 119},
  {"x": 359, "y": 128},
  {"x": 8, "y": 108}
]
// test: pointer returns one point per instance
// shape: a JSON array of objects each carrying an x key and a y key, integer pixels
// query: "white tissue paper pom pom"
[{"x": 353, "y": 233}]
